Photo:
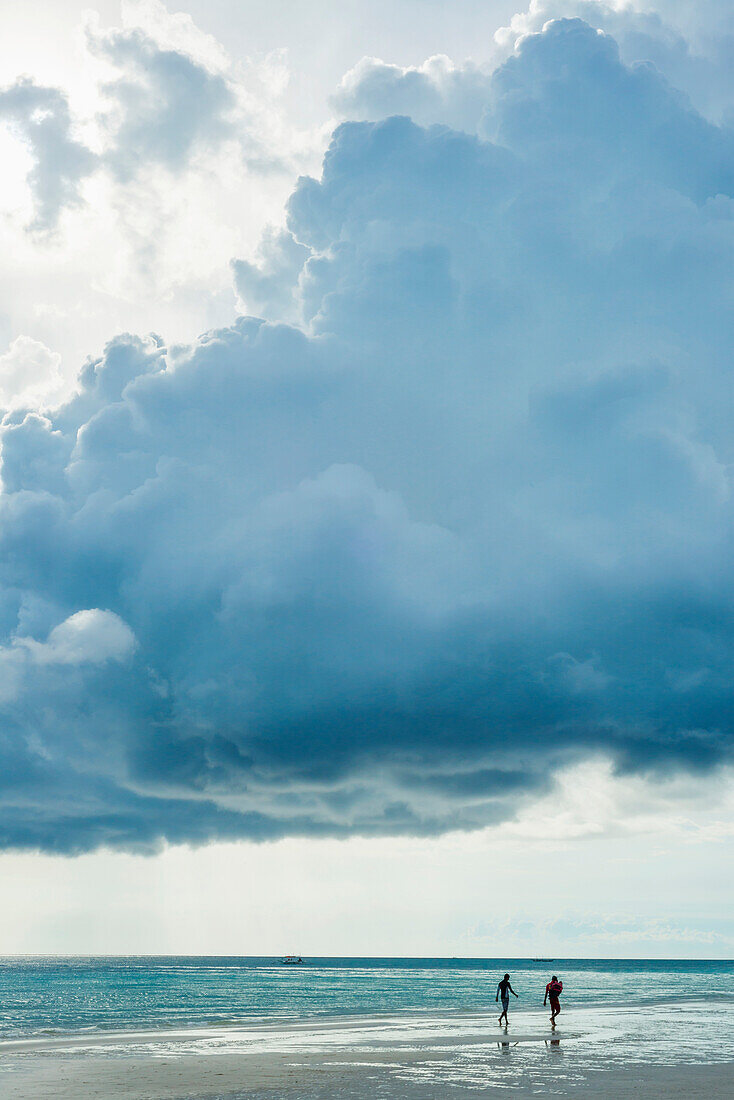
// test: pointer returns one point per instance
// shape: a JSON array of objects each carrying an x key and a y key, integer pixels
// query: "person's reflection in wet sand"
[{"x": 554, "y": 1045}]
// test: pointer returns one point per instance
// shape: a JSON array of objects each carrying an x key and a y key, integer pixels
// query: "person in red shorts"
[{"x": 553, "y": 991}]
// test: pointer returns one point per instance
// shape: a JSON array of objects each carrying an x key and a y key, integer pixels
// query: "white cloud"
[
  {"x": 61, "y": 163},
  {"x": 174, "y": 31},
  {"x": 30, "y": 376},
  {"x": 165, "y": 158},
  {"x": 589, "y": 800},
  {"x": 267, "y": 287},
  {"x": 86, "y": 637},
  {"x": 165, "y": 105},
  {"x": 438, "y": 91},
  {"x": 689, "y": 44},
  {"x": 458, "y": 94}
]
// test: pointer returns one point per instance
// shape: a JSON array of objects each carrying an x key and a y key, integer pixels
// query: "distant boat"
[
  {"x": 291, "y": 960},
  {"x": 543, "y": 960}
]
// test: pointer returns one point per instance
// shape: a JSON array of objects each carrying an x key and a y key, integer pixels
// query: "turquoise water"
[{"x": 48, "y": 995}]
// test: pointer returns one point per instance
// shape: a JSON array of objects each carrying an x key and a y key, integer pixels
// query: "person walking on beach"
[
  {"x": 505, "y": 989},
  {"x": 553, "y": 991}
]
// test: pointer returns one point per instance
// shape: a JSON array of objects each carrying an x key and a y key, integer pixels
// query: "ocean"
[
  {"x": 74, "y": 1028},
  {"x": 49, "y": 995}
]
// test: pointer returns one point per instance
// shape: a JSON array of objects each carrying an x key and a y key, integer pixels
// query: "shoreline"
[
  {"x": 264, "y": 1028},
  {"x": 390, "y": 1057}
]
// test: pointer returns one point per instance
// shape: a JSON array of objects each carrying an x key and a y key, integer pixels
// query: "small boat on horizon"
[
  {"x": 291, "y": 960},
  {"x": 543, "y": 960}
]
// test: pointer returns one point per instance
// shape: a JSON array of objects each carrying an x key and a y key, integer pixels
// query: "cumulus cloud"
[
  {"x": 467, "y": 522},
  {"x": 692, "y": 48},
  {"x": 91, "y": 636},
  {"x": 30, "y": 375},
  {"x": 267, "y": 287},
  {"x": 456, "y": 94},
  {"x": 436, "y": 91}
]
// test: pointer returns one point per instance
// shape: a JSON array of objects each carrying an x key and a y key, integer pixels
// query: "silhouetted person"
[
  {"x": 504, "y": 989},
  {"x": 553, "y": 991}
]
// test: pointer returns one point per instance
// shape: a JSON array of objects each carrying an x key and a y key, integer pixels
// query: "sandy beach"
[
  {"x": 345, "y": 1060},
  {"x": 356, "y": 1077}
]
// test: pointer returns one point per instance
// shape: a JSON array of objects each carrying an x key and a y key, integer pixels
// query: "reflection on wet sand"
[
  {"x": 400, "y": 1057},
  {"x": 553, "y": 1045}
]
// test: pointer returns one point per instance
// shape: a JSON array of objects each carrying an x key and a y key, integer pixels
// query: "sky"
[{"x": 366, "y": 510}]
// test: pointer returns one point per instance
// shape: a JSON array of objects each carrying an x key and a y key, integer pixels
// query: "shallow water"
[
  {"x": 62, "y": 994},
  {"x": 421, "y": 1027},
  {"x": 407, "y": 1056}
]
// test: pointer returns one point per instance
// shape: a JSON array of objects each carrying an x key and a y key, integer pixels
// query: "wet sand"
[
  {"x": 358, "y": 1076},
  {"x": 364, "y": 1060}
]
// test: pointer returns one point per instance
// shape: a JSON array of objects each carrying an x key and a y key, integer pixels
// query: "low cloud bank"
[{"x": 469, "y": 520}]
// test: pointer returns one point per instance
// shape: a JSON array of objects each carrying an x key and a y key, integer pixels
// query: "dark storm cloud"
[{"x": 385, "y": 572}]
